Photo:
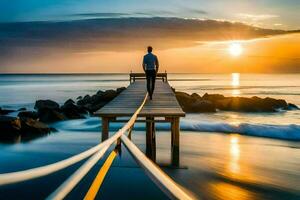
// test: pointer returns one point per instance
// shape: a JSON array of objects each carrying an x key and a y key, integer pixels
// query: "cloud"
[
  {"x": 27, "y": 40},
  {"x": 260, "y": 17},
  {"x": 99, "y": 15},
  {"x": 194, "y": 11},
  {"x": 154, "y": 13},
  {"x": 276, "y": 57},
  {"x": 278, "y": 24},
  {"x": 150, "y": 13}
]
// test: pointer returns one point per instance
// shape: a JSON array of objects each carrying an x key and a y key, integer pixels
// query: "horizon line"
[{"x": 122, "y": 73}]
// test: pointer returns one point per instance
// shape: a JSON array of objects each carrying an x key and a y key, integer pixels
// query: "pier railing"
[
  {"x": 136, "y": 76},
  {"x": 162, "y": 180}
]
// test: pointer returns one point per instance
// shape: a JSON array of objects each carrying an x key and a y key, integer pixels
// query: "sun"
[{"x": 235, "y": 49}]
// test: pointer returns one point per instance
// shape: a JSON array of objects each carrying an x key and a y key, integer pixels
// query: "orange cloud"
[{"x": 116, "y": 45}]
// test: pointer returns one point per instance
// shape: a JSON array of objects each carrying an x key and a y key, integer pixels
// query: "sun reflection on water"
[
  {"x": 234, "y": 119},
  {"x": 234, "y": 154},
  {"x": 235, "y": 171},
  {"x": 231, "y": 192},
  {"x": 235, "y": 83},
  {"x": 235, "y": 92},
  {"x": 235, "y": 79}
]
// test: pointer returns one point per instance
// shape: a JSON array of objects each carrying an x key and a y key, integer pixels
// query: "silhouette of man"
[{"x": 150, "y": 66}]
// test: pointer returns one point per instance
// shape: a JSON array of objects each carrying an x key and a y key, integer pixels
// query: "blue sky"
[
  {"x": 75, "y": 43},
  {"x": 283, "y": 14}
]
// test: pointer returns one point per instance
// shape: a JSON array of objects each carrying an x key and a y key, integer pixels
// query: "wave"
[
  {"x": 284, "y": 132},
  {"x": 240, "y": 87}
]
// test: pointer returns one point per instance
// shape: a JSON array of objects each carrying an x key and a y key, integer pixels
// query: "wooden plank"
[
  {"x": 175, "y": 141},
  {"x": 105, "y": 128},
  {"x": 150, "y": 139},
  {"x": 138, "y": 76},
  {"x": 164, "y": 102}
]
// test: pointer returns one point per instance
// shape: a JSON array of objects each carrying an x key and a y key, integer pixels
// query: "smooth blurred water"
[
  {"x": 221, "y": 163},
  {"x": 25, "y": 89}
]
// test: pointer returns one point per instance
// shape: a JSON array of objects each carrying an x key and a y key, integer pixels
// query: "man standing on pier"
[{"x": 150, "y": 66}]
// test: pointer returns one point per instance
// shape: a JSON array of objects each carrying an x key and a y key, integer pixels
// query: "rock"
[
  {"x": 222, "y": 104},
  {"x": 69, "y": 101},
  {"x": 32, "y": 127},
  {"x": 183, "y": 98},
  {"x": 100, "y": 92},
  {"x": 22, "y": 109},
  {"x": 95, "y": 102},
  {"x": 79, "y": 98},
  {"x": 96, "y": 98},
  {"x": 94, "y": 107},
  {"x": 28, "y": 114},
  {"x": 120, "y": 89},
  {"x": 213, "y": 97},
  {"x": 81, "y": 102},
  {"x": 250, "y": 105},
  {"x": 72, "y": 111},
  {"x": 48, "y": 111},
  {"x": 9, "y": 127},
  {"x": 276, "y": 103},
  {"x": 109, "y": 95},
  {"x": 292, "y": 107},
  {"x": 6, "y": 111},
  {"x": 211, "y": 102},
  {"x": 46, "y": 104},
  {"x": 89, "y": 107},
  {"x": 196, "y": 96},
  {"x": 244, "y": 104},
  {"x": 48, "y": 115},
  {"x": 200, "y": 106},
  {"x": 85, "y": 100},
  {"x": 194, "y": 103},
  {"x": 31, "y": 124},
  {"x": 14, "y": 129}
]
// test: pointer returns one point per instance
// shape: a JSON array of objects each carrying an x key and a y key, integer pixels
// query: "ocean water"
[
  {"x": 227, "y": 155},
  {"x": 23, "y": 90}
]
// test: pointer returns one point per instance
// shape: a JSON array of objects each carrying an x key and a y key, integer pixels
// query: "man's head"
[{"x": 149, "y": 49}]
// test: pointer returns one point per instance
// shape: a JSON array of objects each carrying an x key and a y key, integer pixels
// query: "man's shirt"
[{"x": 150, "y": 61}]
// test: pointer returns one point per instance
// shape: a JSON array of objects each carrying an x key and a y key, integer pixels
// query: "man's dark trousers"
[{"x": 151, "y": 76}]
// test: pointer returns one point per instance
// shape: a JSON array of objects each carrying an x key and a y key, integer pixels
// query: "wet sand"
[
  {"x": 232, "y": 166},
  {"x": 213, "y": 166}
]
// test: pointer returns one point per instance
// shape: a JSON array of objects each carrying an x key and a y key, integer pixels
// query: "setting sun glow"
[
  {"x": 235, "y": 49},
  {"x": 235, "y": 79}
]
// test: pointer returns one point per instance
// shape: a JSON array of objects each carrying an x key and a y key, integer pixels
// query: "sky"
[
  {"x": 73, "y": 36},
  {"x": 267, "y": 13}
]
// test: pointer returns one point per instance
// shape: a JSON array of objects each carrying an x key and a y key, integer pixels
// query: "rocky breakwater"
[
  {"x": 98, "y": 100},
  {"x": 194, "y": 103},
  {"x": 16, "y": 129},
  {"x": 32, "y": 124}
]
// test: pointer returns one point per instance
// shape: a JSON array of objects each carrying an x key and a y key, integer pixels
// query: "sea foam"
[{"x": 285, "y": 132}]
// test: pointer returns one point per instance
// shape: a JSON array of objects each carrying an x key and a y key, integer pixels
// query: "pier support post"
[
  {"x": 175, "y": 141},
  {"x": 105, "y": 128},
  {"x": 150, "y": 138}
]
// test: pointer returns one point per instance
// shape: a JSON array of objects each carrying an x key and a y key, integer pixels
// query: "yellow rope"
[{"x": 92, "y": 192}]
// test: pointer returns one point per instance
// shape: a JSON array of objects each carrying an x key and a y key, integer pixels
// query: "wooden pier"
[
  {"x": 132, "y": 103},
  {"x": 163, "y": 108}
]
